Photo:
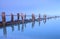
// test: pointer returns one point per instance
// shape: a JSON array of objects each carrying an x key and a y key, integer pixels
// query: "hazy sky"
[{"x": 51, "y": 7}]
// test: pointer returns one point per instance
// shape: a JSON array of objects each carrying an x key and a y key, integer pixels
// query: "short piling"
[
  {"x": 39, "y": 17},
  {"x": 33, "y": 17},
  {"x": 25, "y": 16},
  {"x": 18, "y": 17},
  {"x": 12, "y": 17},
  {"x": 22, "y": 17},
  {"x": 44, "y": 16}
]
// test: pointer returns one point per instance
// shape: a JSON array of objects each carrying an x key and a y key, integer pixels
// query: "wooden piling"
[
  {"x": 3, "y": 18},
  {"x": 22, "y": 17},
  {"x": 44, "y": 18},
  {"x": 25, "y": 16},
  {"x": 39, "y": 17},
  {"x": 12, "y": 17},
  {"x": 33, "y": 17},
  {"x": 18, "y": 16}
]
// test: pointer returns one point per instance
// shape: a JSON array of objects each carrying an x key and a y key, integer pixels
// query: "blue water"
[{"x": 48, "y": 30}]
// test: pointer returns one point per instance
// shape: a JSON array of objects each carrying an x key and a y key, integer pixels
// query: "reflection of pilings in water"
[
  {"x": 44, "y": 16},
  {"x": 33, "y": 24},
  {"x": 12, "y": 27},
  {"x": 19, "y": 26},
  {"x": 25, "y": 25},
  {"x": 3, "y": 18},
  {"x": 22, "y": 29},
  {"x": 39, "y": 23},
  {"x": 12, "y": 18},
  {"x": 4, "y": 31}
]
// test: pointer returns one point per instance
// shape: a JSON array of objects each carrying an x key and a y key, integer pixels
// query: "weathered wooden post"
[
  {"x": 44, "y": 18},
  {"x": 12, "y": 17},
  {"x": 33, "y": 20},
  {"x": 25, "y": 16},
  {"x": 22, "y": 17},
  {"x": 33, "y": 17},
  {"x": 18, "y": 17},
  {"x": 39, "y": 17},
  {"x": 3, "y": 18}
]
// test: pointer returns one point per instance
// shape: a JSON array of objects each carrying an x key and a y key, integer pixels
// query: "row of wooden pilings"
[{"x": 23, "y": 17}]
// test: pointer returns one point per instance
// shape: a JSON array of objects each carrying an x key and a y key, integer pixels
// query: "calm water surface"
[{"x": 43, "y": 30}]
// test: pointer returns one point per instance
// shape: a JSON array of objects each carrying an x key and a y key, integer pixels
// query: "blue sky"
[{"x": 49, "y": 7}]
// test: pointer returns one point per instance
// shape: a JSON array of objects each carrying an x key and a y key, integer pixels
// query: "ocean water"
[{"x": 33, "y": 30}]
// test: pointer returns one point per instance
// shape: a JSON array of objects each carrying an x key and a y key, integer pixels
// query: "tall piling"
[{"x": 3, "y": 18}]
